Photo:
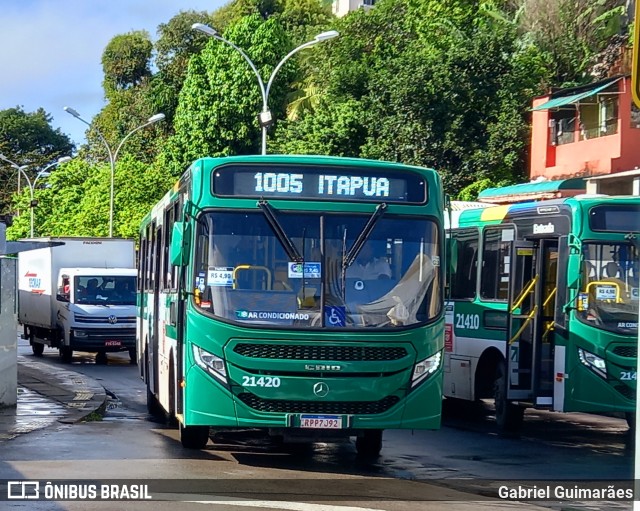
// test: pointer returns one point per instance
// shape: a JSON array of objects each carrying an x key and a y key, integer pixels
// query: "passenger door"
[
  {"x": 522, "y": 325},
  {"x": 530, "y": 334}
]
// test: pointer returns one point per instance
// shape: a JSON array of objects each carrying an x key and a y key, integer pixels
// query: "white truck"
[{"x": 80, "y": 296}]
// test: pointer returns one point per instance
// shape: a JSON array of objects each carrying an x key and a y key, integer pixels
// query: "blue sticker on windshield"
[
  {"x": 247, "y": 315},
  {"x": 311, "y": 270},
  {"x": 335, "y": 316},
  {"x": 200, "y": 281}
]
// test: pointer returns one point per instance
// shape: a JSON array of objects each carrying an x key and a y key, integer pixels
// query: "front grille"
[
  {"x": 329, "y": 407},
  {"x": 627, "y": 392},
  {"x": 320, "y": 352},
  {"x": 626, "y": 351},
  {"x": 99, "y": 320},
  {"x": 99, "y": 334}
]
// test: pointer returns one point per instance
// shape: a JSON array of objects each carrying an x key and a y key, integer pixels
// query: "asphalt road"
[{"x": 464, "y": 461}]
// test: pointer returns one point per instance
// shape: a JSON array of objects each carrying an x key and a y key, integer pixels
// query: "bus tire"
[
  {"x": 101, "y": 358},
  {"x": 153, "y": 406},
  {"x": 66, "y": 353},
  {"x": 37, "y": 348},
  {"x": 369, "y": 444},
  {"x": 194, "y": 437},
  {"x": 509, "y": 416},
  {"x": 133, "y": 356}
]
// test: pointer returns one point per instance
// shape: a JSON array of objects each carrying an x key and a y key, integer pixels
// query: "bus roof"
[{"x": 497, "y": 214}]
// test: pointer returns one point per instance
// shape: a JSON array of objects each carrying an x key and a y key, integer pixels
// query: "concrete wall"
[{"x": 8, "y": 333}]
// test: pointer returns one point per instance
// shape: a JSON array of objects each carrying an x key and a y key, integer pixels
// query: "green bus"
[
  {"x": 251, "y": 314},
  {"x": 542, "y": 306}
]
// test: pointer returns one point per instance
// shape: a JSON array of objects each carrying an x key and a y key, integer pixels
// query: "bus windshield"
[
  {"x": 609, "y": 294},
  {"x": 245, "y": 272}
]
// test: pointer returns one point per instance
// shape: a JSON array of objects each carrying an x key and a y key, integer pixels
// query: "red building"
[{"x": 591, "y": 131}]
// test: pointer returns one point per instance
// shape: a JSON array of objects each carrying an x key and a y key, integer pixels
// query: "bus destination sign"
[{"x": 318, "y": 182}]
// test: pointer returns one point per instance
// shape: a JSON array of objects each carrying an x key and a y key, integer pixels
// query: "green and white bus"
[
  {"x": 249, "y": 316},
  {"x": 542, "y": 307}
]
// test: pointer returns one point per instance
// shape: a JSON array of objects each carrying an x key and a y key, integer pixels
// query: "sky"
[{"x": 51, "y": 51}]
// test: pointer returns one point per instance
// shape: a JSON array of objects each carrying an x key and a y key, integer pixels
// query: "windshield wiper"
[
  {"x": 349, "y": 257},
  {"x": 287, "y": 244}
]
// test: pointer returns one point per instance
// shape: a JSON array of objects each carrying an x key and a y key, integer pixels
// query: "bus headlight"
[
  {"x": 593, "y": 362},
  {"x": 80, "y": 333},
  {"x": 425, "y": 368},
  {"x": 210, "y": 363}
]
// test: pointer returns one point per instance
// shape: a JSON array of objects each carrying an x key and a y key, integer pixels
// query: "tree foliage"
[
  {"x": 27, "y": 139},
  {"x": 176, "y": 44},
  {"x": 441, "y": 83},
  {"x": 125, "y": 61},
  {"x": 76, "y": 199},
  {"x": 221, "y": 98}
]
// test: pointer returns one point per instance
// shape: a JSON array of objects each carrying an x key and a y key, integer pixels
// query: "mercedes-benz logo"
[
  {"x": 321, "y": 389},
  {"x": 112, "y": 319}
]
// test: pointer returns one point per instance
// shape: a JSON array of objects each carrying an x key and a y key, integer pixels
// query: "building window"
[
  {"x": 563, "y": 126},
  {"x": 599, "y": 119}
]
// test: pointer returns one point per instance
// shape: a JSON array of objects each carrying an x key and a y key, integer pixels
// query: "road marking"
[{"x": 278, "y": 504}]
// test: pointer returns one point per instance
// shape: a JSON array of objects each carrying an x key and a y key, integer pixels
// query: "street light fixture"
[
  {"x": 114, "y": 155},
  {"x": 43, "y": 173},
  {"x": 15, "y": 166},
  {"x": 265, "y": 118}
]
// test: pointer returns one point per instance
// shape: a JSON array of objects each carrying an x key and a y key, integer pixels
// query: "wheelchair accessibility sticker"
[{"x": 335, "y": 316}]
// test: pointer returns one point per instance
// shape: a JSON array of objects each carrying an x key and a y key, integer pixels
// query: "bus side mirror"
[
  {"x": 180, "y": 241},
  {"x": 575, "y": 268}
]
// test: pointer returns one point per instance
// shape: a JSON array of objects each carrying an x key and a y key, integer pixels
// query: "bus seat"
[{"x": 611, "y": 270}]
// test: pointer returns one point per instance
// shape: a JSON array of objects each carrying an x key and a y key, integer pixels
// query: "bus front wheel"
[
  {"x": 509, "y": 416},
  {"x": 37, "y": 348},
  {"x": 369, "y": 444},
  {"x": 194, "y": 437}
]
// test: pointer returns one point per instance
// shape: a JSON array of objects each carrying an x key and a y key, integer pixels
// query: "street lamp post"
[
  {"x": 17, "y": 167},
  {"x": 42, "y": 173},
  {"x": 265, "y": 119},
  {"x": 113, "y": 155}
]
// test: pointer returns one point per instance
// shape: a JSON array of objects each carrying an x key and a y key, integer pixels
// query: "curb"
[{"x": 80, "y": 395}]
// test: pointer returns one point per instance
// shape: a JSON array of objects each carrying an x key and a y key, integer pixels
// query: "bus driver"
[{"x": 368, "y": 266}]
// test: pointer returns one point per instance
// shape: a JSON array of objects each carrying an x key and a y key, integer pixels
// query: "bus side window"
[
  {"x": 464, "y": 264},
  {"x": 496, "y": 254}
]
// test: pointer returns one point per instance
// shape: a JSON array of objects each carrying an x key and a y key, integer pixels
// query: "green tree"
[
  {"x": 126, "y": 61},
  {"x": 220, "y": 100},
  {"x": 27, "y": 139},
  {"x": 76, "y": 199},
  {"x": 571, "y": 32},
  {"x": 436, "y": 83},
  {"x": 176, "y": 44}
]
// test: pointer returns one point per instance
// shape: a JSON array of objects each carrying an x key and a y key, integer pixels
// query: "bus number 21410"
[{"x": 468, "y": 321}]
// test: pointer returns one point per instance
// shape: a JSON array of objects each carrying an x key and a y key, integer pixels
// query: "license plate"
[
  {"x": 113, "y": 343},
  {"x": 321, "y": 421}
]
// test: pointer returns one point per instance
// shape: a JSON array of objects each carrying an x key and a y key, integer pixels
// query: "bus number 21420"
[{"x": 262, "y": 381}]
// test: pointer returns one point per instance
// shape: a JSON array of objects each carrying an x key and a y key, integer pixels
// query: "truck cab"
[{"x": 96, "y": 310}]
